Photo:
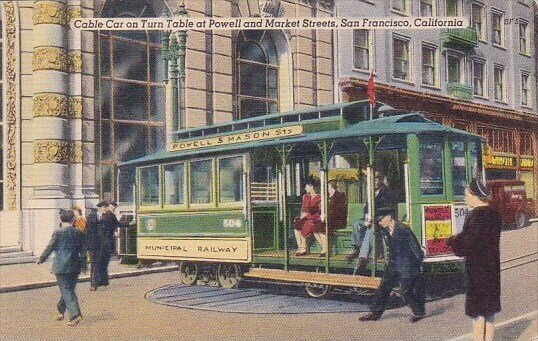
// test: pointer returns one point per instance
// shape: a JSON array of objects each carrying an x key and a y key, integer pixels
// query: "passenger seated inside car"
[{"x": 361, "y": 235}]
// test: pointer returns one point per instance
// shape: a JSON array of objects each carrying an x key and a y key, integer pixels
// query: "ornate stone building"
[{"x": 75, "y": 103}]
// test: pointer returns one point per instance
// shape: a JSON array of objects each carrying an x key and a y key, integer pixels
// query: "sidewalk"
[{"x": 17, "y": 277}]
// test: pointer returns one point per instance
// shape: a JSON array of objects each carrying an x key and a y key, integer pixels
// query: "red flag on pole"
[{"x": 370, "y": 88}]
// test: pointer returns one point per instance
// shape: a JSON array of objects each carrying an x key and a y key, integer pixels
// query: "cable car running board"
[{"x": 315, "y": 277}]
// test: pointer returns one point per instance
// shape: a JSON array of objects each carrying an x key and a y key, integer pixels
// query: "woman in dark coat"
[
  {"x": 309, "y": 221},
  {"x": 479, "y": 244}
]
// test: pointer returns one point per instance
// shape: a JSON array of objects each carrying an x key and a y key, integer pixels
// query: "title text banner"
[{"x": 253, "y": 23}]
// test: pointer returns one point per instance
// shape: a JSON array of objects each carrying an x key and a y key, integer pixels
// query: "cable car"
[{"x": 222, "y": 199}]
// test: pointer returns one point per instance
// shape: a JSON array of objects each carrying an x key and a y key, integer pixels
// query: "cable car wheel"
[
  {"x": 228, "y": 275},
  {"x": 188, "y": 272},
  {"x": 317, "y": 290}
]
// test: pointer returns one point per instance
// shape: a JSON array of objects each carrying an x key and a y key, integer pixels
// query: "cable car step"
[{"x": 315, "y": 277}]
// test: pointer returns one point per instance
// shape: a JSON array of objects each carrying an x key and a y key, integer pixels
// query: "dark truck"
[{"x": 510, "y": 200}]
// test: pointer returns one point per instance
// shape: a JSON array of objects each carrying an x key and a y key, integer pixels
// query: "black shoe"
[
  {"x": 414, "y": 318},
  {"x": 370, "y": 317}
]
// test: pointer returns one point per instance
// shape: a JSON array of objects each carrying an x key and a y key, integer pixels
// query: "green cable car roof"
[{"x": 410, "y": 123}]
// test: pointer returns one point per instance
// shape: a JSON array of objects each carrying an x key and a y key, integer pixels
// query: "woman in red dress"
[{"x": 309, "y": 221}]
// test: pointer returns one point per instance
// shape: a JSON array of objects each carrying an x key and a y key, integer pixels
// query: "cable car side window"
[
  {"x": 457, "y": 150},
  {"x": 174, "y": 184},
  {"x": 431, "y": 167},
  {"x": 201, "y": 181},
  {"x": 231, "y": 179},
  {"x": 149, "y": 189}
]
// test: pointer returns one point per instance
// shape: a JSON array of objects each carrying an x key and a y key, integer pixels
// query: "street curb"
[{"x": 86, "y": 278}]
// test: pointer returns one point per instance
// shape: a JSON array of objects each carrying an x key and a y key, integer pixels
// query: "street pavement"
[{"x": 121, "y": 311}]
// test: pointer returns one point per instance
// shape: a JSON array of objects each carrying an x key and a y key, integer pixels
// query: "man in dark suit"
[
  {"x": 70, "y": 258},
  {"x": 103, "y": 246},
  {"x": 403, "y": 269}
]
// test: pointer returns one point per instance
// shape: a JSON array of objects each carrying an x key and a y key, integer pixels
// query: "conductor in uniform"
[{"x": 403, "y": 269}]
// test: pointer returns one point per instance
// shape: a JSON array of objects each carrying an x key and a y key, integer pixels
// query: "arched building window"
[
  {"x": 257, "y": 82},
  {"x": 131, "y": 98}
]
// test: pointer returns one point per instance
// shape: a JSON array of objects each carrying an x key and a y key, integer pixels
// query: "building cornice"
[{"x": 348, "y": 83}]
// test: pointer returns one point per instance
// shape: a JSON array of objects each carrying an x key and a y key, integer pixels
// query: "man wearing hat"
[
  {"x": 106, "y": 226},
  {"x": 403, "y": 269},
  {"x": 70, "y": 258},
  {"x": 385, "y": 199}
]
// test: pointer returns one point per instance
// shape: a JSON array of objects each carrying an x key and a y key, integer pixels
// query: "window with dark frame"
[
  {"x": 523, "y": 48},
  {"x": 429, "y": 65},
  {"x": 401, "y": 59},
  {"x": 257, "y": 62},
  {"x": 455, "y": 69},
  {"x": 361, "y": 49},
  {"x": 476, "y": 19},
  {"x": 400, "y": 5},
  {"x": 525, "y": 145},
  {"x": 478, "y": 78},
  {"x": 452, "y": 8},
  {"x": 525, "y": 89},
  {"x": 131, "y": 99},
  {"x": 497, "y": 28},
  {"x": 498, "y": 82},
  {"x": 427, "y": 8}
]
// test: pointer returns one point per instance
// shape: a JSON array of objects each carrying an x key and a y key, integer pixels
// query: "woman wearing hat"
[{"x": 479, "y": 244}]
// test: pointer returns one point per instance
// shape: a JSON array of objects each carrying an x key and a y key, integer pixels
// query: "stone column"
[{"x": 52, "y": 146}]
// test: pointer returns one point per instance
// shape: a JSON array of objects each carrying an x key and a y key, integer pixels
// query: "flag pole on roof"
[{"x": 370, "y": 90}]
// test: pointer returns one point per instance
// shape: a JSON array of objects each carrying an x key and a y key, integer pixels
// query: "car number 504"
[{"x": 232, "y": 223}]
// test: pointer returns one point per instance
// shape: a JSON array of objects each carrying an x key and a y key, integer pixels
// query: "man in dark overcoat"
[
  {"x": 404, "y": 269},
  {"x": 104, "y": 246},
  {"x": 68, "y": 244}
]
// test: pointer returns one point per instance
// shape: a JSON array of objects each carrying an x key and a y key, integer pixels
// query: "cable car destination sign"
[{"x": 247, "y": 136}]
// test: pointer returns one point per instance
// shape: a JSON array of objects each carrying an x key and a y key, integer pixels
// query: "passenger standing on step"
[{"x": 70, "y": 258}]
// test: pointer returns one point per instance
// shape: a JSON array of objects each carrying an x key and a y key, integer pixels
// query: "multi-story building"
[
  {"x": 76, "y": 103},
  {"x": 481, "y": 79}
]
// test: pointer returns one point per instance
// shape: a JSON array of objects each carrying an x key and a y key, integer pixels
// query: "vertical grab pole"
[
  {"x": 284, "y": 152},
  {"x": 324, "y": 149},
  {"x": 371, "y": 197}
]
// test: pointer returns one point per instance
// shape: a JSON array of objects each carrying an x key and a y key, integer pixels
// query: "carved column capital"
[
  {"x": 50, "y": 58},
  {"x": 73, "y": 12},
  {"x": 57, "y": 151},
  {"x": 51, "y": 105},
  {"x": 75, "y": 107},
  {"x": 50, "y": 12}
]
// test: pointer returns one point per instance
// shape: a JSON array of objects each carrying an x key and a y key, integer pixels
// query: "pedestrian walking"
[
  {"x": 404, "y": 269},
  {"x": 68, "y": 245},
  {"x": 479, "y": 242}
]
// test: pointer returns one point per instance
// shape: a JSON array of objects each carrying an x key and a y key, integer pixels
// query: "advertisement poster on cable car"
[{"x": 213, "y": 169}]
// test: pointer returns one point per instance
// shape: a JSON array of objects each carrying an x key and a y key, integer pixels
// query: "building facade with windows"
[
  {"x": 481, "y": 79},
  {"x": 77, "y": 103}
]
